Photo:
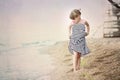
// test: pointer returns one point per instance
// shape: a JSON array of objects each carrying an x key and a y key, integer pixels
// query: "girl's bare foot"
[{"x": 75, "y": 71}]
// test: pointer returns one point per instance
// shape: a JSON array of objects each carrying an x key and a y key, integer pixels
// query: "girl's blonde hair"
[{"x": 75, "y": 13}]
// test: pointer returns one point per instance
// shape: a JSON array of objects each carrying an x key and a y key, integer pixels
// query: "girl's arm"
[
  {"x": 88, "y": 27},
  {"x": 69, "y": 28}
]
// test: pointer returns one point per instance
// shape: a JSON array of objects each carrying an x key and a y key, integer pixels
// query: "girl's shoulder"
[
  {"x": 72, "y": 23},
  {"x": 83, "y": 21}
]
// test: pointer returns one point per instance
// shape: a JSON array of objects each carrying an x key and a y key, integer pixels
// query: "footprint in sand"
[
  {"x": 107, "y": 62},
  {"x": 66, "y": 60},
  {"x": 70, "y": 64},
  {"x": 104, "y": 56},
  {"x": 99, "y": 60},
  {"x": 67, "y": 55},
  {"x": 97, "y": 73},
  {"x": 71, "y": 70}
]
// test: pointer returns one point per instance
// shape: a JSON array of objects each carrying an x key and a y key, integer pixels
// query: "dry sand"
[{"x": 103, "y": 63}]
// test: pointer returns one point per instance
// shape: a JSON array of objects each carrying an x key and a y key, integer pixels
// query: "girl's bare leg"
[
  {"x": 79, "y": 60},
  {"x": 75, "y": 60}
]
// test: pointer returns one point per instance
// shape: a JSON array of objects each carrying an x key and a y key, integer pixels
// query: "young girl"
[{"x": 77, "y": 43}]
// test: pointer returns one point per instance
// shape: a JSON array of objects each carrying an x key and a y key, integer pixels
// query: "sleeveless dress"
[{"x": 77, "y": 40}]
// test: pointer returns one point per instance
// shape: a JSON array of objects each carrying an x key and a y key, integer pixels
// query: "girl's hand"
[
  {"x": 69, "y": 36},
  {"x": 86, "y": 34}
]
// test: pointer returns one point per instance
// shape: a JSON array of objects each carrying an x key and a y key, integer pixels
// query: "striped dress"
[{"x": 77, "y": 40}]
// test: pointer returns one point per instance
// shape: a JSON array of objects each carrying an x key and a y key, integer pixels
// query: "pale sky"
[{"x": 34, "y": 20}]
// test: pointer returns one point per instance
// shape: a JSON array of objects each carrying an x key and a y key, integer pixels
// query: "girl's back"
[{"x": 78, "y": 29}]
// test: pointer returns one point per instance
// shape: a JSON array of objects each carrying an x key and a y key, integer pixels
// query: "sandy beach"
[
  {"x": 103, "y": 63},
  {"x": 54, "y": 62}
]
